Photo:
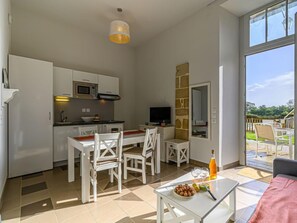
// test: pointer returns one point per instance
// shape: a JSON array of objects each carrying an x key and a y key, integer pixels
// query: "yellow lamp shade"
[{"x": 119, "y": 32}]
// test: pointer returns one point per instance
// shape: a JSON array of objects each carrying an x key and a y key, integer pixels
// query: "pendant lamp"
[{"x": 119, "y": 31}]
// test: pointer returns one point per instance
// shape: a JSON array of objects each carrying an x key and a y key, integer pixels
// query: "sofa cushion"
[
  {"x": 278, "y": 203},
  {"x": 287, "y": 176}
]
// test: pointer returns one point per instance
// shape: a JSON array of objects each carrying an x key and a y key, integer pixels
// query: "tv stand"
[{"x": 166, "y": 132}]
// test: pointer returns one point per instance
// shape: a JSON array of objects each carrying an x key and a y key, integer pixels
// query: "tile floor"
[{"x": 48, "y": 197}]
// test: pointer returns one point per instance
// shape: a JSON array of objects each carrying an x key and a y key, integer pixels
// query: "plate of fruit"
[{"x": 184, "y": 191}]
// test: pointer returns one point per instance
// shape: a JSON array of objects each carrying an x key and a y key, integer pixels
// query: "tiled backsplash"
[{"x": 73, "y": 109}]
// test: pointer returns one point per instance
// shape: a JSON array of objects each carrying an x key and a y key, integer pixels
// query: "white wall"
[
  {"x": 229, "y": 84},
  {"x": 4, "y": 50},
  {"x": 195, "y": 40},
  {"x": 38, "y": 37}
]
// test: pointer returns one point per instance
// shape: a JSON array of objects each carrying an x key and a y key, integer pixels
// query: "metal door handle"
[{"x": 49, "y": 116}]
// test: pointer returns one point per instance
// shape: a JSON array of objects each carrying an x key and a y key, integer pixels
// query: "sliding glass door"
[{"x": 270, "y": 106}]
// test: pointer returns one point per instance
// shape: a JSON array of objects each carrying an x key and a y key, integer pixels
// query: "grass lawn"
[{"x": 252, "y": 136}]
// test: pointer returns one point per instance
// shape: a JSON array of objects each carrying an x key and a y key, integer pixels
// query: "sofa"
[{"x": 279, "y": 201}]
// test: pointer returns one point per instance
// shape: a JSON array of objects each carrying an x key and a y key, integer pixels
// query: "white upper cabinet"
[
  {"x": 63, "y": 82},
  {"x": 108, "y": 85},
  {"x": 85, "y": 77}
]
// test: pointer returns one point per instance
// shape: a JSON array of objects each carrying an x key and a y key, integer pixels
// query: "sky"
[
  {"x": 270, "y": 74},
  {"x": 270, "y": 77}
]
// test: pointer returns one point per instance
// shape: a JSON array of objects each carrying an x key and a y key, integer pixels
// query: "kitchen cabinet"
[
  {"x": 118, "y": 126},
  {"x": 166, "y": 132},
  {"x": 30, "y": 116},
  {"x": 102, "y": 128},
  {"x": 81, "y": 76},
  {"x": 61, "y": 142},
  {"x": 63, "y": 85},
  {"x": 108, "y": 85}
]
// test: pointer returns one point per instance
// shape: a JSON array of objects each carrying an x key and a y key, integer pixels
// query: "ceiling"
[
  {"x": 242, "y": 7},
  {"x": 146, "y": 18}
]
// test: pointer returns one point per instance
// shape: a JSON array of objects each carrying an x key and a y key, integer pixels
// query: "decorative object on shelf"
[
  {"x": 7, "y": 93},
  {"x": 5, "y": 78},
  {"x": 119, "y": 31}
]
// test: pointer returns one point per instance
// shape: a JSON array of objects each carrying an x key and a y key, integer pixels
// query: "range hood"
[{"x": 109, "y": 97}]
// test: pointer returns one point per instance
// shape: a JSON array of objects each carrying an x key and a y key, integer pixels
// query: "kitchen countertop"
[{"x": 88, "y": 123}]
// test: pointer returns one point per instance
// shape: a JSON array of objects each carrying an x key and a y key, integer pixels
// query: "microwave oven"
[{"x": 85, "y": 90}]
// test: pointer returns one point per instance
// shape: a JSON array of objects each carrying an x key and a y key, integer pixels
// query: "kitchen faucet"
[{"x": 63, "y": 119}]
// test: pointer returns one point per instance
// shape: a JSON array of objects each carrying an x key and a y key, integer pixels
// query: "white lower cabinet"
[
  {"x": 60, "y": 141},
  {"x": 114, "y": 127},
  {"x": 102, "y": 128}
]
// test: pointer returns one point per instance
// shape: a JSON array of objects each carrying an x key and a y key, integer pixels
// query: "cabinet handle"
[{"x": 49, "y": 116}]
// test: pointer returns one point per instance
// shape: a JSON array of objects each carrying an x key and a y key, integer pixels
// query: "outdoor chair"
[{"x": 265, "y": 134}]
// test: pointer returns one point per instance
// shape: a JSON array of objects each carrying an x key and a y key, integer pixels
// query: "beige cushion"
[
  {"x": 103, "y": 162},
  {"x": 134, "y": 151}
]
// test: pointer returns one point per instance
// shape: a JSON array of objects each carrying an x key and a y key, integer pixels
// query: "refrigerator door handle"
[{"x": 50, "y": 116}]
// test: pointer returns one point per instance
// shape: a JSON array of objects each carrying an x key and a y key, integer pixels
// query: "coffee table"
[{"x": 201, "y": 207}]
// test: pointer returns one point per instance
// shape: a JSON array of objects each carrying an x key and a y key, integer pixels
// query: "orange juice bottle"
[{"x": 212, "y": 166}]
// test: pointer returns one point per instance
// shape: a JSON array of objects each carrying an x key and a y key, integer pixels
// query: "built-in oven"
[{"x": 85, "y": 90}]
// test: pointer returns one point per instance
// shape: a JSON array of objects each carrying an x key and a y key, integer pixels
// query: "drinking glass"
[
  {"x": 204, "y": 174},
  {"x": 196, "y": 172}
]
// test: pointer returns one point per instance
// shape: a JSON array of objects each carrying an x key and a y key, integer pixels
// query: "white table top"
[
  {"x": 91, "y": 142},
  {"x": 201, "y": 204}
]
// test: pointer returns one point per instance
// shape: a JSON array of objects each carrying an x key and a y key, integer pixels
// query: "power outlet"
[
  {"x": 83, "y": 110},
  {"x": 88, "y": 110}
]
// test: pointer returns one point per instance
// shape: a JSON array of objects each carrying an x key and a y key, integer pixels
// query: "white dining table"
[{"x": 86, "y": 146}]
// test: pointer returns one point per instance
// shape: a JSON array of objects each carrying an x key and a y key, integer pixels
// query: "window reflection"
[
  {"x": 292, "y": 6},
  {"x": 272, "y": 23},
  {"x": 200, "y": 107},
  {"x": 257, "y": 28},
  {"x": 276, "y": 17}
]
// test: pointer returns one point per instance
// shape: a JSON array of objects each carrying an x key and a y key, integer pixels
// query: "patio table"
[{"x": 290, "y": 133}]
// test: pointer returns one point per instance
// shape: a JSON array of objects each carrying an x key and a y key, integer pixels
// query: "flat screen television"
[{"x": 160, "y": 114}]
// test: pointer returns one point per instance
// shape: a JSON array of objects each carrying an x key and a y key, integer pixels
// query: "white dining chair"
[
  {"x": 107, "y": 156},
  {"x": 140, "y": 155},
  {"x": 87, "y": 130}
]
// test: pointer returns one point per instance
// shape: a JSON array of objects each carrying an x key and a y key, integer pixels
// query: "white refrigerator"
[{"x": 30, "y": 125}]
